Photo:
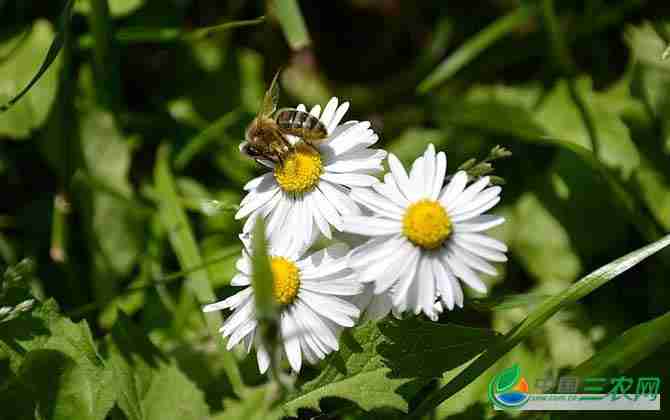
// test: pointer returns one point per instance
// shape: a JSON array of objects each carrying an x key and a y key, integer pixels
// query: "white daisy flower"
[
  {"x": 309, "y": 192},
  {"x": 425, "y": 237},
  {"x": 309, "y": 291}
]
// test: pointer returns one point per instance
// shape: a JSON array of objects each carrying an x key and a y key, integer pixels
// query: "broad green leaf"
[
  {"x": 255, "y": 404},
  {"x": 18, "y": 118},
  {"x": 508, "y": 378},
  {"x": 384, "y": 365},
  {"x": 151, "y": 387},
  {"x": 292, "y": 23},
  {"x": 56, "y": 366},
  {"x": 536, "y": 318},
  {"x": 475, "y": 46},
  {"x": 560, "y": 118},
  {"x": 550, "y": 256},
  {"x": 183, "y": 243},
  {"x": 118, "y": 227},
  {"x": 628, "y": 349}
]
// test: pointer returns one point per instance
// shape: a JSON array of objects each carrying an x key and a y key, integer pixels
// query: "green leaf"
[
  {"x": 116, "y": 225},
  {"x": 384, "y": 365},
  {"x": 501, "y": 303},
  {"x": 631, "y": 347},
  {"x": 57, "y": 369},
  {"x": 561, "y": 119},
  {"x": 183, "y": 243},
  {"x": 472, "y": 48},
  {"x": 29, "y": 58},
  {"x": 151, "y": 388},
  {"x": 535, "y": 319},
  {"x": 292, "y": 23},
  {"x": 508, "y": 378},
  {"x": 254, "y": 404},
  {"x": 261, "y": 278},
  {"x": 19, "y": 118}
]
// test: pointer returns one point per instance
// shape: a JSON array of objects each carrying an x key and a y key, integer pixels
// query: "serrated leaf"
[
  {"x": 561, "y": 119},
  {"x": 57, "y": 368},
  {"x": 151, "y": 387},
  {"x": 384, "y": 365},
  {"x": 535, "y": 319}
]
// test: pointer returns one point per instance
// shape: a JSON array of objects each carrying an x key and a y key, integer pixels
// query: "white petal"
[
  {"x": 377, "y": 203},
  {"x": 350, "y": 179},
  {"x": 315, "y": 111},
  {"x": 478, "y": 201},
  {"x": 240, "y": 280},
  {"x": 346, "y": 286},
  {"x": 257, "y": 200},
  {"x": 242, "y": 315},
  {"x": 401, "y": 178},
  {"x": 338, "y": 310},
  {"x": 240, "y": 333},
  {"x": 389, "y": 189},
  {"x": 416, "y": 178},
  {"x": 263, "y": 359},
  {"x": 429, "y": 170},
  {"x": 426, "y": 289},
  {"x": 339, "y": 114},
  {"x": 329, "y": 111},
  {"x": 319, "y": 218},
  {"x": 262, "y": 182},
  {"x": 464, "y": 273},
  {"x": 404, "y": 283},
  {"x": 290, "y": 335},
  {"x": 374, "y": 250},
  {"x": 278, "y": 217},
  {"x": 468, "y": 194},
  {"x": 399, "y": 261},
  {"x": 341, "y": 201},
  {"x": 342, "y": 165},
  {"x": 479, "y": 223},
  {"x": 301, "y": 107},
  {"x": 454, "y": 188},
  {"x": 352, "y": 137},
  {"x": 316, "y": 325},
  {"x": 476, "y": 212},
  {"x": 483, "y": 240},
  {"x": 328, "y": 211},
  {"x": 371, "y": 226},
  {"x": 379, "y": 307},
  {"x": 231, "y": 302},
  {"x": 440, "y": 172},
  {"x": 473, "y": 261},
  {"x": 443, "y": 283}
]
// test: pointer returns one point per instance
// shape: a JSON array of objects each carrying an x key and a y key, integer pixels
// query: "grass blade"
[
  {"x": 183, "y": 243},
  {"x": 106, "y": 60},
  {"x": 196, "y": 144},
  {"x": 126, "y": 36},
  {"x": 474, "y": 47},
  {"x": 628, "y": 349},
  {"x": 52, "y": 53},
  {"x": 292, "y": 23},
  {"x": 261, "y": 278},
  {"x": 535, "y": 319}
]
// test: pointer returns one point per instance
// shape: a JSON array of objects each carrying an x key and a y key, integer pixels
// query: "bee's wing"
[{"x": 271, "y": 98}]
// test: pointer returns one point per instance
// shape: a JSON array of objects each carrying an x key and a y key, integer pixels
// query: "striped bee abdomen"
[{"x": 301, "y": 124}]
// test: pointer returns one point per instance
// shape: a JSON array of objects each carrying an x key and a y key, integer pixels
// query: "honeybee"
[{"x": 266, "y": 135}]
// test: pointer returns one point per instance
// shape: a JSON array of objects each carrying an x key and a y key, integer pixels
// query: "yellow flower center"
[
  {"x": 426, "y": 224},
  {"x": 300, "y": 171},
  {"x": 285, "y": 279}
]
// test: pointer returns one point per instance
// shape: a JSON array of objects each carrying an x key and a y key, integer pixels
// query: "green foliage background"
[{"x": 120, "y": 174}]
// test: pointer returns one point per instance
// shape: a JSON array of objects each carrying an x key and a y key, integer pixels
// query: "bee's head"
[{"x": 250, "y": 150}]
